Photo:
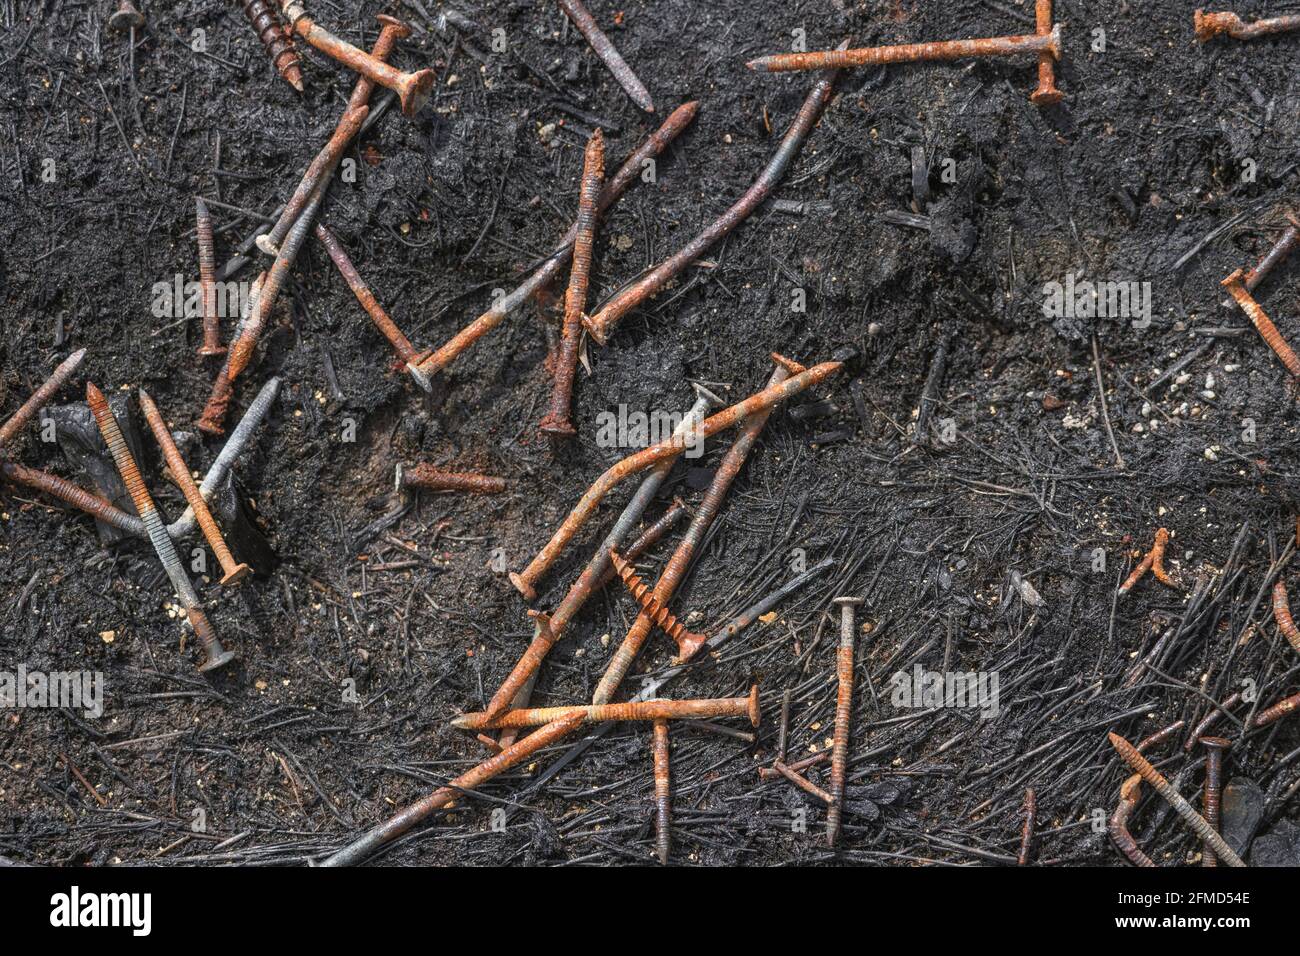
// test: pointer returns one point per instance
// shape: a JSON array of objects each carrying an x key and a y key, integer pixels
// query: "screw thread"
[
  {"x": 276, "y": 40},
  {"x": 663, "y": 834},
  {"x": 1282, "y": 614},
  {"x": 650, "y": 605}
]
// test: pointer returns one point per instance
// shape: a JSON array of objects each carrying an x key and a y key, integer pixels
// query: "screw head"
[
  {"x": 214, "y": 350},
  {"x": 126, "y": 18},
  {"x": 753, "y": 705},
  {"x": 237, "y": 574},
  {"x": 708, "y": 396},
  {"x": 394, "y": 26},
  {"x": 1215, "y": 743},
  {"x": 522, "y": 586},
  {"x": 847, "y": 601},
  {"x": 217, "y": 661},
  {"x": 266, "y": 245},
  {"x": 418, "y": 377},
  {"x": 1234, "y": 279},
  {"x": 1046, "y": 96},
  {"x": 415, "y": 91},
  {"x": 557, "y": 428}
]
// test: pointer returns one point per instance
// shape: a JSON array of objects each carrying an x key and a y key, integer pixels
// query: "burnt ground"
[{"x": 1138, "y": 176}]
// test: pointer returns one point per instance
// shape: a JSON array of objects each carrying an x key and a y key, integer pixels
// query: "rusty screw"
[
  {"x": 1263, "y": 324},
  {"x": 435, "y": 479},
  {"x": 663, "y": 792},
  {"x": 803, "y": 783},
  {"x": 413, "y": 89},
  {"x": 275, "y": 40},
  {"x": 1049, "y": 42},
  {"x": 101, "y": 509},
  {"x": 214, "y": 655},
  {"x": 1215, "y": 748},
  {"x": 233, "y": 571},
  {"x": 1210, "y": 25},
  {"x": 207, "y": 280},
  {"x": 1047, "y": 94},
  {"x": 1153, "y": 777},
  {"x": 631, "y": 710},
  {"x": 608, "y": 53},
  {"x": 651, "y": 606},
  {"x": 18, "y": 421},
  {"x": 556, "y": 421},
  {"x": 843, "y": 709}
]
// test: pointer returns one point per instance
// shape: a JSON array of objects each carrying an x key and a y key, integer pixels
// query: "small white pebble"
[
  {"x": 1207, "y": 394},
  {"x": 1231, "y": 368},
  {"x": 1209, "y": 380},
  {"x": 1210, "y": 455}
]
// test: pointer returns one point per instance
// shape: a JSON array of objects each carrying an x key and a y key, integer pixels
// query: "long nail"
[
  {"x": 663, "y": 791},
  {"x": 688, "y": 642},
  {"x": 913, "y": 53},
  {"x": 628, "y": 173},
  {"x": 598, "y": 568},
  {"x": 233, "y": 571},
  {"x": 412, "y": 88},
  {"x": 556, "y": 421},
  {"x": 1210, "y": 25},
  {"x": 322, "y": 164},
  {"x": 608, "y": 54},
  {"x": 215, "y": 655},
  {"x": 406, "y": 352},
  {"x": 207, "y": 279},
  {"x": 525, "y": 580},
  {"x": 1284, "y": 246},
  {"x": 843, "y": 711},
  {"x": 328, "y": 159},
  {"x": 600, "y": 325},
  {"x": 19, "y": 419},
  {"x": 803, "y": 783},
  {"x": 99, "y": 508},
  {"x": 1047, "y": 94},
  {"x": 1153, "y": 777},
  {"x": 407, "y": 818},
  {"x": 631, "y": 710},
  {"x": 1215, "y": 748}
]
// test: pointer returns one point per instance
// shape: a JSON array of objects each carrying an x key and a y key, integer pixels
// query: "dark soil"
[{"x": 1137, "y": 176}]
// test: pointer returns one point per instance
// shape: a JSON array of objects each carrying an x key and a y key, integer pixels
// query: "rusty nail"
[
  {"x": 1049, "y": 42},
  {"x": 598, "y": 570},
  {"x": 215, "y": 655},
  {"x": 769, "y": 773},
  {"x": 627, "y": 174},
  {"x": 663, "y": 834},
  {"x": 608, "y": 54},
  {"x": 232, "y": 571},
  {"x": 406, "y": 352},
  {"x": 207, "y": 280},
  {"x": 843, "y": 710},
  {"x": 631, "y": 710},
  {"x": 19, "y": 419},
  {"x": 525, "y": 580},
  {"x": 92, "y": 504},
  {"x": 612, "y": 312},
  {"x": 1153, "y": 777},
  {"x": 1153, "y": 561},
  {"x": 1284, "y": 246},
  {"x": 688, "y": 643},
  {"x": 1129, "y": 793},
  {"x": 1263, "y": 324},
  {"x": 1282, "y": 614},
  {"x": 412, "y": 88},
  {"x": 277, "y": 42},
  {"x": 556, "y": 421},
  {"x": 435, "y": 479},
  {"x": 327, "y": 160},
  {"x": 321, "y": 165},
  {"x": 1027, "y": 832},
  {"x": 405, "y": 819},
  {"x": 803, "y": 783},
  {"x": 1047, "y": 94},
  {"x": 1210, "y": 25},
  {"x": 1215, "y": 747}
]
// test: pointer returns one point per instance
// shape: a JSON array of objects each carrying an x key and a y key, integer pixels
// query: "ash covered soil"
[{"x": 975, "y": 542}]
